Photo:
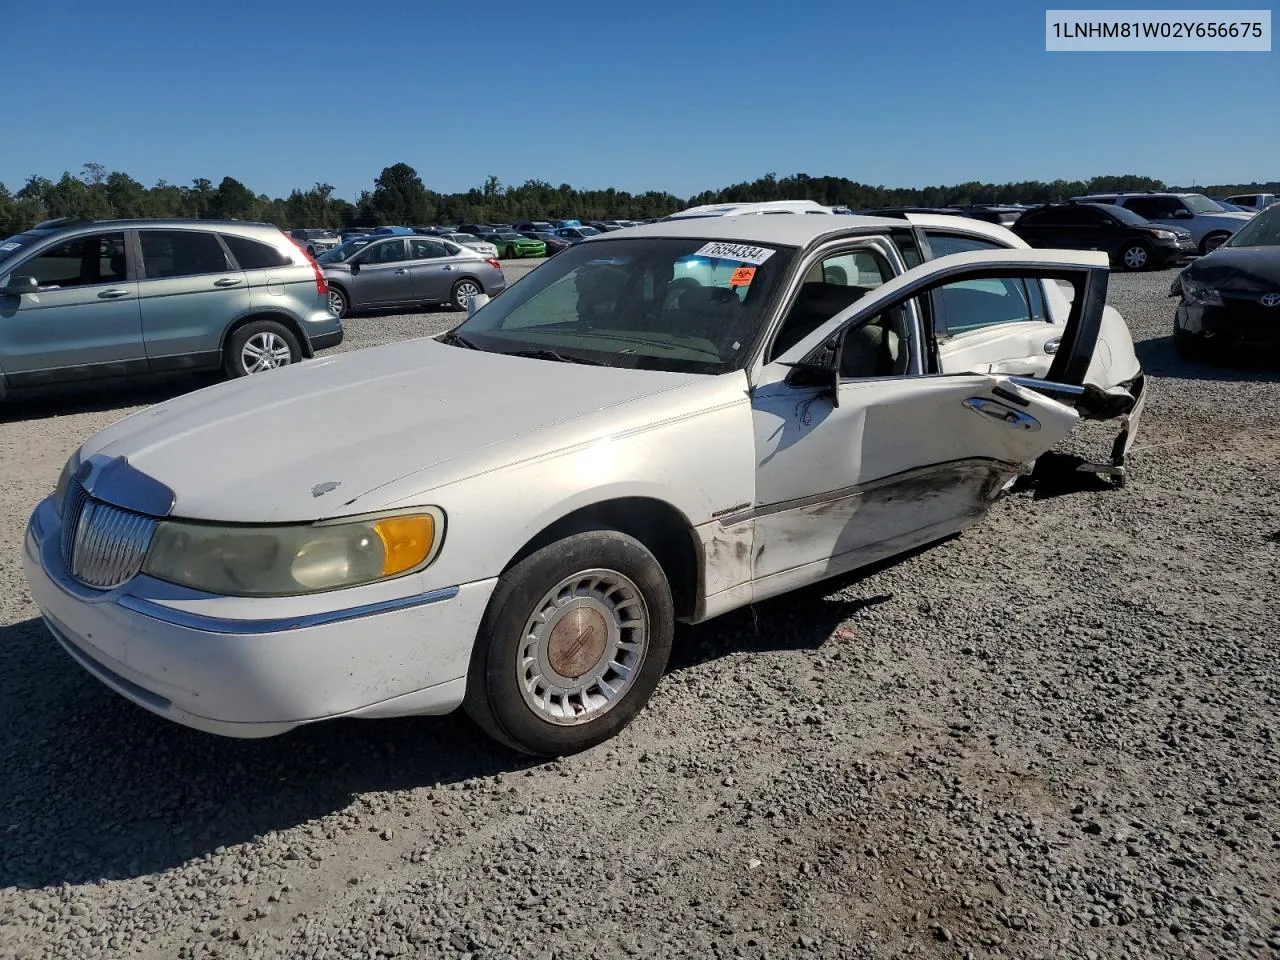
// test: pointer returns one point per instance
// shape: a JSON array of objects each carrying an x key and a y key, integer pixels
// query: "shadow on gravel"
[
  {"x": 92, "y": 398},
  {"x": 1056, "y": 475},
  {"x": 92, "y": 787},
  {"x": 1159, "y": 358}
]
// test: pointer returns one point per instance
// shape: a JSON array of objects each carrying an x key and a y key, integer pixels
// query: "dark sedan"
[
  {"x": 1231, "y": 297},
  {"x": 553, "y": 243},
  {"x": 1131, "y": 241}
]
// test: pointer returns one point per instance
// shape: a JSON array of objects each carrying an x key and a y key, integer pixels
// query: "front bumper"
[
  {"x": 257, "y": 677},
  {"x": 1238, "y": 322}
]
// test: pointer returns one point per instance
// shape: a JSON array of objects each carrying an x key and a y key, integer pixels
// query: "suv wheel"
[
  {"x": 1213, "y": 241},
  {"x": 338, "y": 301},
  {"x": 258, "y": 346},
  {"x": 572, "y": 645},
  {"x": 1135, "y": 256}
]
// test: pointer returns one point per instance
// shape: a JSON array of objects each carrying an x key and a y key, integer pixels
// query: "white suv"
[{"x": 1209, "y": 223}]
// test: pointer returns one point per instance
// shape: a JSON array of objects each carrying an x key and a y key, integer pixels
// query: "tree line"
[{"x": 399, "y": 196}]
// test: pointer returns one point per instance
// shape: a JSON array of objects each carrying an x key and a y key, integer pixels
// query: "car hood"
[
  {"x": 304, "y": 442},
  {"x": 1244, "y": 269},
  {"x": 1227, "y": 218}
]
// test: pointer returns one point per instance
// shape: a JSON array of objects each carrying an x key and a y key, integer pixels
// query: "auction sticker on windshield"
[
  {"x": 742, "y": 277},
  {"x": 741, "y": 252}
]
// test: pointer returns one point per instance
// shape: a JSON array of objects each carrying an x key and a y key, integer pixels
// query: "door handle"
[
  {"x": 227, "y": 282},
  {"x": 448, "y": 266},
  {"x": 115, "y": 293},
  {"x": 401, "y": 272},
  {"x": 998, "y": 411},
  {"x": 1051, "y": 346}
]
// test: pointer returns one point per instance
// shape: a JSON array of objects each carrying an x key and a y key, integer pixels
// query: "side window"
[
  {"x": 252, "y": 255},
  {"x": 830, "y": 286},
  {"x": 975, "y": 304},
  {"x": 180, "y": 253},
  {"x": 1154, "y": 208},
  {"x": 908, "y": 249},
  {"x": 81, "y": 262},
  {"x": 942, "y": 244},
  {"x": 427, "y": 249},
  {"x": 389, "y": 251}
]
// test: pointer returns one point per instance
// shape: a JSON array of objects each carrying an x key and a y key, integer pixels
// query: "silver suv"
[
  {"x": 1210, "y": 224},
  {"x": 84, "y": 299}
]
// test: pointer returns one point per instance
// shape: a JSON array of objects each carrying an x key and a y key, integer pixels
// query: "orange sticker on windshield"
[{"x": 742, "y": 277}]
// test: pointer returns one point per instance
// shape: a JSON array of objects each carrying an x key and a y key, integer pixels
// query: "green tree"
[{"x": 400, "y": 197}]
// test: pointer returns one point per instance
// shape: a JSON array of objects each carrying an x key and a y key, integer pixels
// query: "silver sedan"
[{"x": 407, "y": 271}]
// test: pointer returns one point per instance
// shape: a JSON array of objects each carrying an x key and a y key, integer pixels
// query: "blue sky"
[{"x": 674, "y": 96}]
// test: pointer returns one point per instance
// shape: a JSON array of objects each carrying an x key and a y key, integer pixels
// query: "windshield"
[
  {"x": 586, "y": 231},
  {"x": 344, "y": 251},
  {"x": 508, "y": 235},
  {"x": 1262, "y": 231},
  {"x": 1125, "y": 216},
  {"x": 9, "y": 246},
  {"x": 464, "y": 237},
  {"x": 681, "y": 305},
  {"x": 1199, "y": 203}
]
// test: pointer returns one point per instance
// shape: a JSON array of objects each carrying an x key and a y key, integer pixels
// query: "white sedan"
[{"x": 661, "y": 424}]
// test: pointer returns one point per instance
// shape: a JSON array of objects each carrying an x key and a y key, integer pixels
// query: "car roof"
[{"x": 787, "y": 231}]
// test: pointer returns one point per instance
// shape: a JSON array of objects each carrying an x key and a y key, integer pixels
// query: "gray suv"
[
  {"x": 1210, "y": 225},
  {"x": 84, "y": 299}
]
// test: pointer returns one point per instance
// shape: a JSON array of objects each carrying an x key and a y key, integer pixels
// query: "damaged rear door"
[{"x": 852, "y": 469}]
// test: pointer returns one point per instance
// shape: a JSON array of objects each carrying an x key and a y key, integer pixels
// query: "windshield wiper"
[
  {"x": 453, "y": 338},
  {"x": 545, "y": 354}
]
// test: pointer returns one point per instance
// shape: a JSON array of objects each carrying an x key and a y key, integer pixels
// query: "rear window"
[{"x": 253, "y": 255}]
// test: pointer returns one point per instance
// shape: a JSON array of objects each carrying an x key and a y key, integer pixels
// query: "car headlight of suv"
[
  {"x": 1165, "y": 234},
  {"x": 1201, "y": 294},
  {"x": 280, "y": 561}
]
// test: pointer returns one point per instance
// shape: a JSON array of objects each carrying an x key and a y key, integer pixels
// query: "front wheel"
[
  {"x": 258, "y": 346},
  {"x": 509, "y": 253},
  {"x": 1213, "y": 241},
  {"x": 574, "y": 642},
  {"x": 1136, "y": 256},
  {"x": 462, "y": 293}
]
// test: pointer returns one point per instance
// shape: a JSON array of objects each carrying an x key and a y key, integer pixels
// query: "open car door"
[{"x": 852, "y": 469}]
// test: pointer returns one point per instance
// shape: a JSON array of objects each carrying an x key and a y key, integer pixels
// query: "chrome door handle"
[
  {"x": 448, "y": 266},
  {"x": 401, "y": 272},
  {"x": 227, "y": 282},
  {"x": 998, "y": 411},
  {"x": 1051, "y": 346},
  {"x": 115, "y": 293}
]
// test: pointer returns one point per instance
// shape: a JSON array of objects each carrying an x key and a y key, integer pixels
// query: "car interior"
[{"x": 831, "y": 286}]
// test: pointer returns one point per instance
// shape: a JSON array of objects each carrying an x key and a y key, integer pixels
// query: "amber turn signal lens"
[{"x": 406, "y": 542}]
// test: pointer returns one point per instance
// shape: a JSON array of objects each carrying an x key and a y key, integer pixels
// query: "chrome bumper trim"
[{"x": 197, "y": 621}]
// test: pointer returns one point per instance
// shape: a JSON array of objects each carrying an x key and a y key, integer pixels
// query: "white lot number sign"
[{"x": 741, "y": 252}]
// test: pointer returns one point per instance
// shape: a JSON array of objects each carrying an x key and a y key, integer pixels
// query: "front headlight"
[
  {"x": 265, "y": 561},
  {"x": 1200, "y": 293},
  {"x": 1166, "y": 235}
]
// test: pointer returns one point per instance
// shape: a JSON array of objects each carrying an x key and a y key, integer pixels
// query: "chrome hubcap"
[
  {"x": 265, "y": 351},
  {"x": 583, "y": 647},
  {"x": 1135, "y": 257},
  {"x": 465, "y": 292},
  {"x": 337, "y": 302}
]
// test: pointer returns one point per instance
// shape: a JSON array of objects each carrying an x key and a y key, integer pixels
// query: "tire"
[
  {"x": 1212, "y": 242},
  {"x": 510, "y": 254},
  {"x": 1135, "y": 256},
  {"x": 273, "y": 344},
  {"x": 463, "y": 291},
  {"x": 338, "y": 301},
  {"x": 1190, "y": 347},
  {"x": 604, "y": 588}
]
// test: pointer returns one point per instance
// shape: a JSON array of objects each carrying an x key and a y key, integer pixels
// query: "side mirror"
[
  {"x": 354, "y": 265},
  {"x": 476, "y": 302},
  {"x": 1182, "y": 213},
  {"x": 823, "y": 371},
  {"x": 17, "y": 286}
]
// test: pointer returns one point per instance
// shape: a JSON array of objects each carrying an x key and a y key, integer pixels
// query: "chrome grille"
[{"x": 102, "y": 545}]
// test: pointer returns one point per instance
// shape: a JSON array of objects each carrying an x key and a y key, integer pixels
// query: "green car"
[{"x": 511, "y": 245}]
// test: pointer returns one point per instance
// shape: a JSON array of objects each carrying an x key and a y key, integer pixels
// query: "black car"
[
  {"x": 554, "y": 244},
  {"x": 527, "y": 227},
  {"x": 1231, "y": 297},
  {"x": 1131, "y": 241}
]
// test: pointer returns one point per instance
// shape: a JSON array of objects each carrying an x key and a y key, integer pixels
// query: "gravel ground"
[{"x": 1055, "y": 736}]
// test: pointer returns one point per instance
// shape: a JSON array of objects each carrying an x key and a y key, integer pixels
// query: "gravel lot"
[{"x": 1055, "y": 736}]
